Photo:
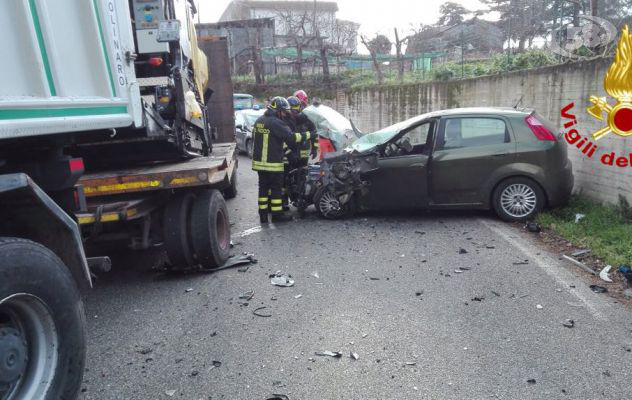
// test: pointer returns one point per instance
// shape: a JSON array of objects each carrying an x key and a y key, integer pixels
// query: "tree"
[
  {"x": 380, "y": 44},
  {"x": 398, "y": 52},
  {"x": 297, "y": 25},
  {"x": 452, "y": 13},
  {"x": 373, "y": 51}
]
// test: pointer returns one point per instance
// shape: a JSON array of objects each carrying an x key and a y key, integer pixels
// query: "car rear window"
[{"x": 473, "y": 132}]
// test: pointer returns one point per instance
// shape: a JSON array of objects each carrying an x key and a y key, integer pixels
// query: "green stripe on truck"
[
  {"x": 60, "y": 112},
  {"x": 42, "y": 47},
  {"x": 105, "y": 50}
]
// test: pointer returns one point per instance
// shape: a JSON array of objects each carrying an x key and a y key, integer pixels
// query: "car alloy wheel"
[{"x": 518, "y": 200}]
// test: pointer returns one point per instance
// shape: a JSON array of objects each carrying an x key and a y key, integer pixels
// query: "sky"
[{"x": 374, "y": 16}]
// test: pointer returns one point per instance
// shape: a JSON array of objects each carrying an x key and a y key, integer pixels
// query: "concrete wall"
[{"x": 547, "y": 90}]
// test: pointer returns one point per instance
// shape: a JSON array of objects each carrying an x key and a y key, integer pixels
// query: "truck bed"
[{"x": 200, "y": 171}]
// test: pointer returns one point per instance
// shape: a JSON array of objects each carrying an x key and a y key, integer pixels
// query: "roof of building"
[
  {"x": 330, "y": 6},
  {"x": 242, "y": 23}
]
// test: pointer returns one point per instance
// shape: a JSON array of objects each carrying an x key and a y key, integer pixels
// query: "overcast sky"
[{"x": 374, "y": 16}]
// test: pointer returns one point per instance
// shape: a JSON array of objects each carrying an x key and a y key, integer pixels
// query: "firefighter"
[
  {"x": 269, "y": 134},
  {"x": 302, "y": 123}
]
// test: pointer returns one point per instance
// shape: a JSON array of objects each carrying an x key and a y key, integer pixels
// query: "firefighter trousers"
[{"x": 270, "y": 193}]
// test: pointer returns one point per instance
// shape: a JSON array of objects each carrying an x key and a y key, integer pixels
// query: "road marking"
[{"x": 550, "y": 266}]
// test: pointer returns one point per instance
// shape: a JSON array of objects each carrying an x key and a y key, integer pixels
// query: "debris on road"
[
  {"x": 464, "y": 268},
  {"x": 410, "y": 363},
  {"x": 531, "y": 381},
  {"x": 579, "y": 264},
  {"x": 278, "y": 397},
  {"x": 533, "y": 227},
  {"x": 420, "y": 232},
  {"x": 188, "y": 290},
  {"x": 525, "y": 262},
  {"x": 495, "y": 293},
  {"x": 364, "y": 335},
  {"x": 462, "y": 251},
  {"x": 569, "y": 323},
  {"x": 170, "y": 393},
  {"x": 604, "y": 274},
  {"x": 374, "y": 278},
  {"x": 479, "y": 299},
  {"x": 316, "y": 275},
  {"x": 258, "y": 313},
  {"x": 233, "y": 261},
  {"x": 581, "y": 253},
  {"x": 598, "y": 289},
  {"x": 283, "y": 280},
  {"x": 298, "y": 296},
  {"x": 539, "y": 306},
  {"x": 215, "y": 364},
  {"x": 247, "y": 295},
  {"x": 354, "y": 356},
  {"x": 457, "y": 271},
  {"x": 334, "y": 354}
]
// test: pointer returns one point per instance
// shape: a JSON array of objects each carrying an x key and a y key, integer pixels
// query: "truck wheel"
[
  {"x": 328, "y": 205},
  {"x": 518, "y": 199},
  {"x": 231, "y": 191},
  {"x": 210, "y": 229},
  {"x": 42, "y": 324},
  {"x": 176, "y": 231}
]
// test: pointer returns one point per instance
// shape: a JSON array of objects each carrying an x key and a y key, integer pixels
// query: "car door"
[
  {"x": 401, "y": 179},
  {"x": 467, "y": 151},
  {"x": 240, "y": 134}
]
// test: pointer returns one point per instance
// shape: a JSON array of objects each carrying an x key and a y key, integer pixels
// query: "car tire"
[
  {"x": 518, "y": 199},
  {"x": 250, "y": 150},
  {"x": 210, "y": 229},
  {"x": 231, "y": 191},
  {"x": 323, "y": 202},
  {"x": 40, "y": 303}
]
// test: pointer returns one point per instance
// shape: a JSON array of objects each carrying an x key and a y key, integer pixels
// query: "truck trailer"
[{"x": 103, "y": 135}]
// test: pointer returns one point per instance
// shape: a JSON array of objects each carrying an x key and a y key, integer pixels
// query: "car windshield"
[
  {"x": 371, "y": 140},
  {"x": 332, "y": 125},
  {"x": 242, "y": 102}
]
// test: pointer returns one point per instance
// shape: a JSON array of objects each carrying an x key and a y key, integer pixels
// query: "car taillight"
[
  {"x": 539, "y": 130},
  {"x": 76, "y": 165},
  {"x": 326, "y": 146},
  {"x": 155, "y": 61}
]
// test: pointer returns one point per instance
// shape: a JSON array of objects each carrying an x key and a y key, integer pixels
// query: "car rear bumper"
[{"x": 560, "y": 185}]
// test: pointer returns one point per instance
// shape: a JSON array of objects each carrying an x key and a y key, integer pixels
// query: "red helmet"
[{"x": 302, "y": 96}]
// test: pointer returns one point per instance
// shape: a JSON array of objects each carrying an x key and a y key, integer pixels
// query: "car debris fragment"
[
  {"x": 188, "y": 290},
  {"x": 283, "y": 280},
  {"x": 170, "y": 393},
  {"x": 334, "y": 354},
  {"x": 569, "y": 323},
  {"x": 258, "y": 313},
  {"x": 233, "y": 261},
  {"x": 598, "y": 289},
  {"x": 533, "y": 227},
  {"x": 278, "y": 397},
  {"x": 604, "y": 274},
  {"x": 581, "y": 253},
  {"x": 531, "y": 381},
  {"x": 410, "y": 363},
  {"x": 354, "y": 356},
  {"x": 298, "y": 296},
  {"x": 316, "y": 275},
  {"x": 462, "y": 251},
  {"x": 579, "y": 264},
  {"x": 539, "y": 306},
  {"x": 247, "y": 295}
]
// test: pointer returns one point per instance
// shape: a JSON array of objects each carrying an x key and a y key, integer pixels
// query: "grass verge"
[{"x": 605, "y": 229}]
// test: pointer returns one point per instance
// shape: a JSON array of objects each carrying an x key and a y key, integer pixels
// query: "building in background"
[
  {"x": 245, "y": 38},
  {"x": 298, "y": 20},
  {"x": 478, "y": 39}
]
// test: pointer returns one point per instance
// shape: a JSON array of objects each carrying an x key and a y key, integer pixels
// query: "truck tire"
[
  {"x": 210, "y": 229},
  {"x": 176, "y": 231},
  {"x": 518, "y": 199},
  {"x": 231, "y": 191},
  {"x": 42, "y": 324}
]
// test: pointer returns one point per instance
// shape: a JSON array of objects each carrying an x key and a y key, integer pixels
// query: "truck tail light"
[
  {"x": 539, "y": 130},
  {"x": 155, "y": 61},
  {"x": 76, "y": 165}
]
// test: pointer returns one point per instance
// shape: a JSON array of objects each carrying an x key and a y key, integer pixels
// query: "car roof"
[
  {"x": 242, "y": 95},
  {"x": 479, "y": 110}
]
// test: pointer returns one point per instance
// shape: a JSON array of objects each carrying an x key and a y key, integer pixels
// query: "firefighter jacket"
[
  {"x": 304, "y": 125},
  {"x": 269, "y": 135}
]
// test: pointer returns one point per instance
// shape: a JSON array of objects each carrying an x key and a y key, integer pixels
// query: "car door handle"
[
  {"x": 417, "y": 165},
  {"x": 500, "y": 154}
]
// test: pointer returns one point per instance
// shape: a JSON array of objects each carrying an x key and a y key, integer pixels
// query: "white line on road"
[
  {"x": 550, "y": 266},
  {"x": 250, "y": 231}
]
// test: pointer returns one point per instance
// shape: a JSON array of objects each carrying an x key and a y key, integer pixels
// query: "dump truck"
[{"x": 103, "y": 135}]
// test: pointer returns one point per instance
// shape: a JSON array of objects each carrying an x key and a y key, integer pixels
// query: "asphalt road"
[{"x": 386, "y": 290}]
